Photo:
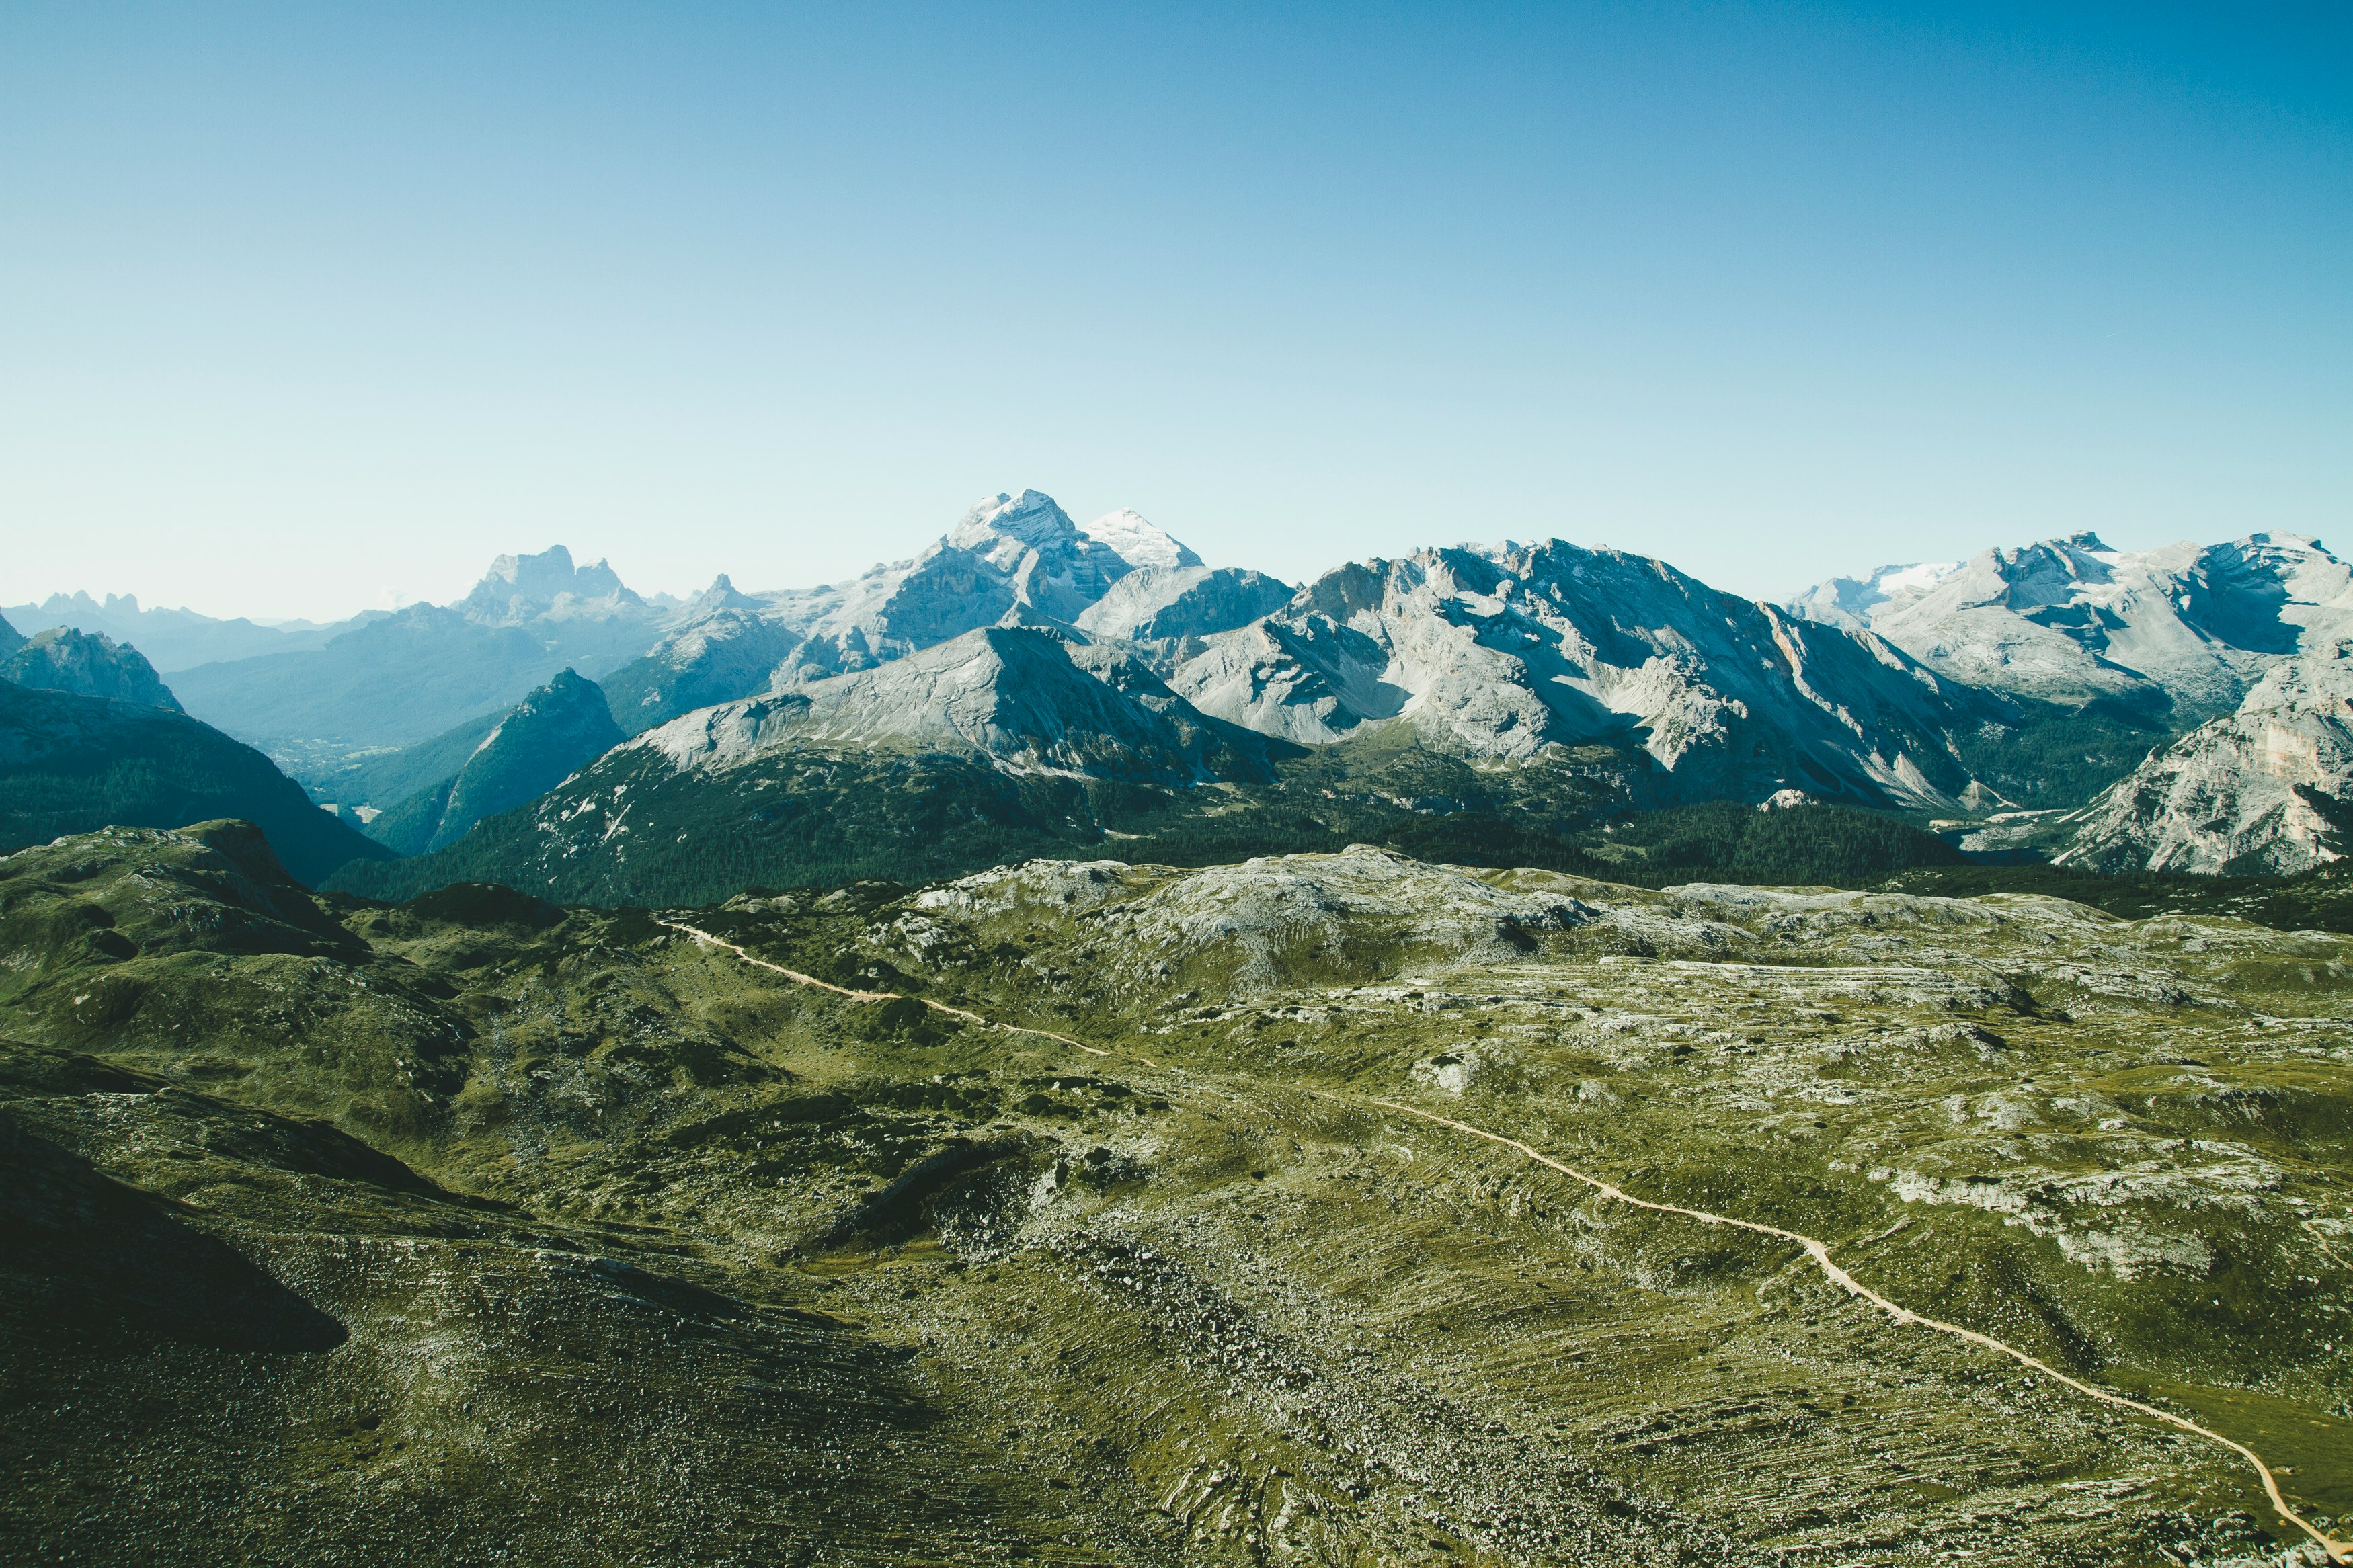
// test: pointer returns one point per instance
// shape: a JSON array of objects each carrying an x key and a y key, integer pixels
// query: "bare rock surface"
[
  {"x": 2071, "y": 620},
  {"x": 1502, "y": 651},
  {"x": 90, "y": 664},
  {"x": 2258, "y": 790},
  {"x": 1030, "y": 701}
]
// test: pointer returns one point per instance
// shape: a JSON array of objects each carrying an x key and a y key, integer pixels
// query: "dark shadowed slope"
[{"x": 70, "y": 764}]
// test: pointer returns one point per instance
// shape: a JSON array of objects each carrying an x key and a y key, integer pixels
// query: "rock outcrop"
[
  {"x": 2266, "y": 789},
  {"x": 90, "y": 664},
  {"x": 2185, "y": 627}
]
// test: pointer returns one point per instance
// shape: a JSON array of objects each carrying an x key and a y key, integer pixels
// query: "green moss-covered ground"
[{"x": 485, "y": 1228}]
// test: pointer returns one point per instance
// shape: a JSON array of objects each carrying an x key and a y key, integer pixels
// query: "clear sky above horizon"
[{"x": 307, "y": 309}]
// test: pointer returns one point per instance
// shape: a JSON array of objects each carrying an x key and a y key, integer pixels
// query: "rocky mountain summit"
[
  {"x": 2266, "y": 789},
  {"x": 521, "y": 588},
  {"x": 2185, "y": 629},
  {"x": 1503, "y": 651},
  {"x": 91, "y": 664},
  {"x": 1012, "y": 560}
]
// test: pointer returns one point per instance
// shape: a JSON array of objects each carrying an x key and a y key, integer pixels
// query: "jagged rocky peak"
[
  {"x": 522, "y": 587},
  {"x": 2268, "y": 788},
  {"x": 1029, "y": 520},
  {"x": 1008, "y": 528},
  {"x": 90, "y": 664},
  {"x": 720, "y": 595},
  {"x": 1503, "y": 651},
  {"x": 11, "y": 639},
  {"x": 1013, "y": 559}
]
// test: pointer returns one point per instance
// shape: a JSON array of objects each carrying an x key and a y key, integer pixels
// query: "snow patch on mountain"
[
  {"x": 1129, "y": 536},
  {"x": 1849, "y": 601}
]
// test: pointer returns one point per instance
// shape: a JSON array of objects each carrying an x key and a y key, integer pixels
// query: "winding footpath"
[{"x": 2337, "y": 1551}]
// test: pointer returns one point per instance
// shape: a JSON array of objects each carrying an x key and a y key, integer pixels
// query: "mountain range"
[
  {"x": 2063, "y": 677},
  {"x": 2186, "y": 629}
]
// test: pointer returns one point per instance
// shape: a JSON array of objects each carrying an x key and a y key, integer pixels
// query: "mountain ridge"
[
  {"x": 64, "y": 658},
  {"x": 2071, "y": 620},
  {"x": 2266, "y": 788}
]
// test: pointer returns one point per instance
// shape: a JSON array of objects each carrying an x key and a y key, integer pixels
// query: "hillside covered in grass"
[{"x": 484, "y": 1225}]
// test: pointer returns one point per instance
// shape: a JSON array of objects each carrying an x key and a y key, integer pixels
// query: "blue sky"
[{"x": 307, "y": 308}]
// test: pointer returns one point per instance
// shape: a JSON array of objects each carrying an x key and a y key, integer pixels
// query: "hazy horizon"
[{"x": 458, "y": 589}]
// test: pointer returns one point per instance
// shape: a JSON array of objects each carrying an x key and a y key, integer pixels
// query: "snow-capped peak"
[
  {"x": 1138, "y": 541},
  {"x": 1032, "y": 518}
]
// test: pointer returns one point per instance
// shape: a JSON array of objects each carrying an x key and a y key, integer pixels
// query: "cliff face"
[
  {"x": 88, "y": 664},
  {"x": 2257, "y": 790}
]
